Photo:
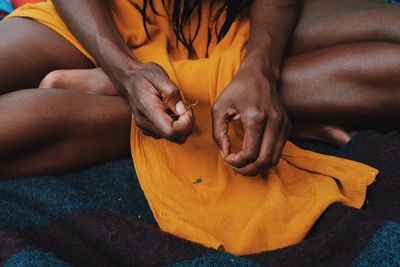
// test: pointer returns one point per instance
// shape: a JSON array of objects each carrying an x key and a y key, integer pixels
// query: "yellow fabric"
[{"x": 239, "y": 214}]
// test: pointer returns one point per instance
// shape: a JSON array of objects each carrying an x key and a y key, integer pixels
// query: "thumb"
[
  {"x": 184, "y": 125},
  {"x": 220, "y": 126},
  {"x": 171, "y": 95}
]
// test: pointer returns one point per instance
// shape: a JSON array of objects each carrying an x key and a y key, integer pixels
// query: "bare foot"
[
  {"x": 86, "y": 80},
  {"x": 330, "y": 134}
]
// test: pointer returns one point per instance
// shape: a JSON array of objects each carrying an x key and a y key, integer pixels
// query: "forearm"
[
  {"x": 92, "y": 24},
  {"x": 147, "y": 87},
  {"x": 272, "y": 23}
]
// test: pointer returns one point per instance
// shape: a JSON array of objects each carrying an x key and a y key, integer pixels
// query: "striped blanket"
[{"x": 100, "y": 217}]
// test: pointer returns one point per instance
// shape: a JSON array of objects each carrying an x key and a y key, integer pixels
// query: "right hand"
[{"x": 153, "y": 97}]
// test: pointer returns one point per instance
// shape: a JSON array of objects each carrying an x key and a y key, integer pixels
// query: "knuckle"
[
  {"x": 218, "y": 113},
  {"x": 170, "y": 91},
  {"x": 150, "y": 71},
  {"x": 155, "y": 69},
  {"x": 152, "y": 65},
  {"x": 255, "y": 115},
  {"x": 156, "y": 75},
  {"x": 138, "y": 76},
  {"x": 276, "y": 116},
  {"x": 216, "y": 107}
]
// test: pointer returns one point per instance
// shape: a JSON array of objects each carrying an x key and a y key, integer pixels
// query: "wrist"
[
  {"x": 119, "y": 69},
  {"x": 261, "y": 63},
  {"x": 262, "y": 57},
  {"x": 258, "y": 66}
]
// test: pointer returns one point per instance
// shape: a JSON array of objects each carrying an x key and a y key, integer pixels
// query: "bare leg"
[
  {"x": 29, "y": 51},
  {"x": 51, "y": 131},
  {"x": 90, "y": 81},
  {"x": 354, "y": 84},
  {"x": 343, "y": 66},
  {"x": 69, "y": 130},
  {"x": 325, "y": 23},
  {"x": 351, "y": 85},
  {"x": 310, "y": 55}
]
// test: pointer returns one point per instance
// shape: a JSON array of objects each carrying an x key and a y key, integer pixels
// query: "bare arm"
[
  {"x": 272, "y": 23},
  {"x": 92, "y": 24},
  {"x": 253, "y": 92}
]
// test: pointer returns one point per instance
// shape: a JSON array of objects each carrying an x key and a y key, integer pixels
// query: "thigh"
[
  {"x": 30, "y": 50},
  {"x": 324, "y": 23},
  {"x": 51, "y": 131},
  {"x": 352, "y": 84}
]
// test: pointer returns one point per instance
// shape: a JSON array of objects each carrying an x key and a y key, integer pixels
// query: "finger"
[
  {"x": 171, "y": 95},
  {"x": 220, "y": 127},
  {"x": 155, "y": 111},
  {"x": 184, "y": 125},
  {"x": 264, "y": 160},
  {"x": 152, "y": 108},
  {"x": 280, "y": 144},
  {"x": 254, "y": 124},
  {"x": 146, "y": 126},
  {"x": 163, "y": 123}
]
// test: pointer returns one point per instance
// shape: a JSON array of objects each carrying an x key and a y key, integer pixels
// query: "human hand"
[
  {"x": 252, "y": 98},
  {"x": 157, "y": 104}
]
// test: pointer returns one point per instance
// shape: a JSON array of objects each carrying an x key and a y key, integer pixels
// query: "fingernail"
[
  {"x": 180, "y": 108},
  {"x": 222, "y": 154}
]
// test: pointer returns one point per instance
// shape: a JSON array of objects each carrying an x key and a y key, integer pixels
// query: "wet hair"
[{"x": 183, "y": 10}]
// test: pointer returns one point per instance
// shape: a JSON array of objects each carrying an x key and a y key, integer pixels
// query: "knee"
[{"x": 55, "y": 79}]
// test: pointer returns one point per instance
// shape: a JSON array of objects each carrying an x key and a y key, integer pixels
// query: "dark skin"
[
  {"x": 148, "y": 88},
  {"x": 348, "y": 75},
  {"x": 252, "y": 95}
]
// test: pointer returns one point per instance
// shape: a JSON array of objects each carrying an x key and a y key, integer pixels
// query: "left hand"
[{"x": 251, "y": 97}]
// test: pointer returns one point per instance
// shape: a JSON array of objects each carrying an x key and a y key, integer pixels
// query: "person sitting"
[{"x": 258, "y": 63}]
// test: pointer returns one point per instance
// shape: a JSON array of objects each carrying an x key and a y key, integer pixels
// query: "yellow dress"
[{"x": 240, "y": 215}]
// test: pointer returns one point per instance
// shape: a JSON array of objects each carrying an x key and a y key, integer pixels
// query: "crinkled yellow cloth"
[{"x": 222, "y": 210}]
